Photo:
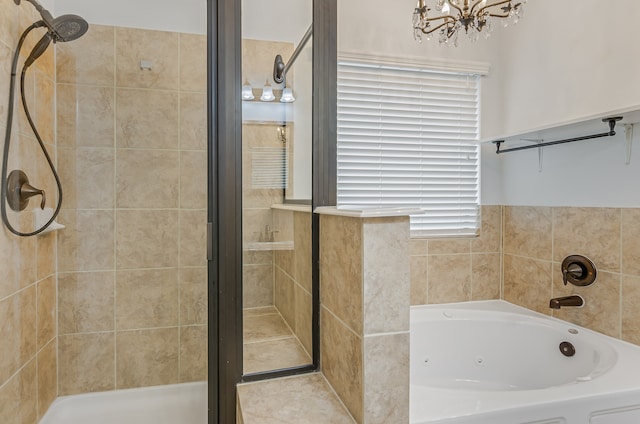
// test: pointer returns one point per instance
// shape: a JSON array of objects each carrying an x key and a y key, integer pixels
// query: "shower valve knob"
[
  {"x": 19, "y": 191},
  {"x": 578, "y": 270}
]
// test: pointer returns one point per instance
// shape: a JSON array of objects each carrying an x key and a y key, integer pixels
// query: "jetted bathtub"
[{"x": 491, "y": 362}]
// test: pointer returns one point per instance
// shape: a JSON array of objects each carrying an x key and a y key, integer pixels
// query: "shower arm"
[
  {"x": 279, "y": 68},
  {"x": 38, "y": 7}
]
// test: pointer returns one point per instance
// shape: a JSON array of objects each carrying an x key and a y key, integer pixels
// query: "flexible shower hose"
[{"x": 7, "y": 140}]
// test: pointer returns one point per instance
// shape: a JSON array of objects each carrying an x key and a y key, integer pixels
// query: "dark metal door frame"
[
  {"x": 224, "y": 208},
  {"x": 225, "y": 190}
]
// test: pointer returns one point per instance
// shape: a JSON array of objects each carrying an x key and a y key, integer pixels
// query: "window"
[{"x": 407, "y": 137}]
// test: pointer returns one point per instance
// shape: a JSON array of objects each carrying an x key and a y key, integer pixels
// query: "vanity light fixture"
[
  {"x": 247, "y": 91},
  {"x": 474, "y": 16},
  {"x": 267, "y": 93},
  {"x": 287, "y": 95}
]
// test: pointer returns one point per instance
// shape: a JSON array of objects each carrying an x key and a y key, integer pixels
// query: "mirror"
[{"x": 276, "y": 182}]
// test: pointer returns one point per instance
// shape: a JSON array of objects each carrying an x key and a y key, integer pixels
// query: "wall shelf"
[{"x": 588, "y": 128}]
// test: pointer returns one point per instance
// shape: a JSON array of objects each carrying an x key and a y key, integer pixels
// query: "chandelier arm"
[
  {"x": 474, "y": 7},
  {"x": 445, "y": 17},
  {"x": 493, "y": 15},
  {"x": 492, "y": 5},
  {"x": 434, "y": 29}
]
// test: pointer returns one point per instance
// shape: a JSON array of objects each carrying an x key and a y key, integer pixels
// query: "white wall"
[
  {"x": 276, "y": 20},
  {"x": 50, "y": 5},
  {"x": 560, "y": 66},
  {"x": 570, "y": 59},
  {"x": 303, "y": 124},
  {"x": 188, "y": 16}
]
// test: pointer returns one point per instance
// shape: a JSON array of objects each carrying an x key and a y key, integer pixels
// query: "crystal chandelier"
[{"x": 474, "y": 16}]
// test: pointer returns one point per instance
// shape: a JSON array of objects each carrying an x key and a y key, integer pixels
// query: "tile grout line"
[
  {"x": 179, "y": 202},
  {"x": 115, "y": 208},
  {"x": 621, "y": 286}
]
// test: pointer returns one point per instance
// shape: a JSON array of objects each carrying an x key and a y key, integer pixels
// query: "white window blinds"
[{"x": 407, "y": 137}]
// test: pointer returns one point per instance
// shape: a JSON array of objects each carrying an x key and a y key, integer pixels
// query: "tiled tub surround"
[
  {"x": 364, "y": 317},
  {"x": 531, "y": 243},
  {"x": 536, "y": 240},
  {"x": 132, "y": 157},
  {"x": 459, "y": 269},
  {"x": 28, "y": 356}
]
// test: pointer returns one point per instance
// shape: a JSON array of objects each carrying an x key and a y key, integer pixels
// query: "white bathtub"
[
  {"x": 174, "y": 404},
  {"x": 492, "y": 362}
]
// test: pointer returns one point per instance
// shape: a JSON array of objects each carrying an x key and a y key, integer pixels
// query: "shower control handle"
[
  {"x": 19, "y": 191},
  {"x": 574, "y": 270},
  {"x": 578, "y": 270},
  {"x": 27, "y": 191}
]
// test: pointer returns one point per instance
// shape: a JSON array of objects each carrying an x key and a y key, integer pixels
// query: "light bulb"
[
  {"x": 287, "y": 95},
  {"x": 267, "y": 93},
  {"x": 446, "y": 8},
  {"x": 247, "y": 91}
]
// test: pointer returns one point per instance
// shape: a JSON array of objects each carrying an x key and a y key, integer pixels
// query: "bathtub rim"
[{"x": 429, "y": 404}]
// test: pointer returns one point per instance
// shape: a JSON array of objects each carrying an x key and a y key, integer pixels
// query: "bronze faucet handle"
[
  {"x": 19, "y": 191},
  {"x": 578, "y": 270},
  {"x": 27, "y": 191}
]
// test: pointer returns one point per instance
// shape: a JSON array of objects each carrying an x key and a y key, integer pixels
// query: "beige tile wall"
[
  {"x": 531, "y": 243},
  {"x": 364, "y": 318},
  {"x": 293, "y": 274},
  {"x": 28, "y": 357},
  {"x": 132, "y": 261},
  {"x": 537, "y": 239},
  {"x": 459, "y": 269}
]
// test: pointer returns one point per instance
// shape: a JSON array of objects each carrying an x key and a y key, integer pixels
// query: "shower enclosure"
[
  {"x": 117, "y": 300},
  {"x": 140, "y": 287}
]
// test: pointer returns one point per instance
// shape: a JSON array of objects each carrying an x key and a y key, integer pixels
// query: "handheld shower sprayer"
[{"x": 61, "y": 29}]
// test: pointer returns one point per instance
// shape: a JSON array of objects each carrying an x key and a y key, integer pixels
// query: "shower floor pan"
[{"x": 179, "y": 403}]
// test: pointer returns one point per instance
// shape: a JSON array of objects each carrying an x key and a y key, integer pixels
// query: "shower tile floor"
[
  {"x": 269, "y": 343},
  {"x": 305, "y": 399}
]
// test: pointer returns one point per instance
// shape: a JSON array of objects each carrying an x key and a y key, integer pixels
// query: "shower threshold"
[{"x": 178, "y": 403}]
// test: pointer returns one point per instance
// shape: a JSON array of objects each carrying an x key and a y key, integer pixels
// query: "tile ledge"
[
  {"x": 359, "y": 212},
  {"x": 295, "y": 207}
]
